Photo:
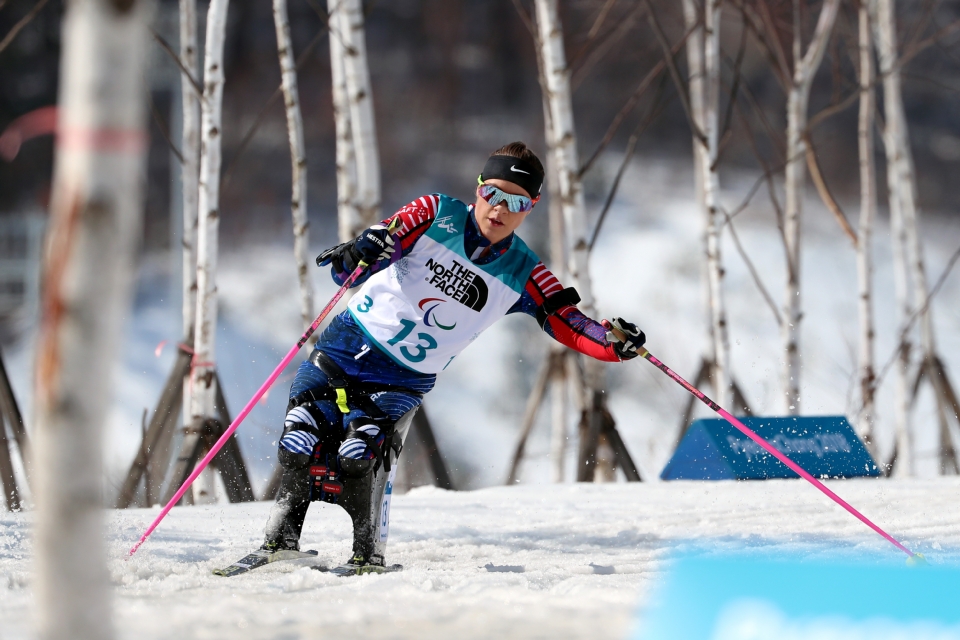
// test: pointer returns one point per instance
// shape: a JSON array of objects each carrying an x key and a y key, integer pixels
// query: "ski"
[
  {"x": 260, "y": 558},
  {"x": 345, "y": 570}
]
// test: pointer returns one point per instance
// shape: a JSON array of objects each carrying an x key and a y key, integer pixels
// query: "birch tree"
[
  {"x": 804, "y": 70},
  {"x": 360, "y": 103},
  {"x": 904, "y": 222},
  {"x": 868, "y": 207},
  {"x": 298, "y": 159},
  {"x": 189, "y": 169},
  {"x": 95, "y": 222},
  {"x": 204, "y": 368},
  {"x": 705, "y": 107},
  {"x": 570, "y": 191},
  {"x": 349, "y": 222}
]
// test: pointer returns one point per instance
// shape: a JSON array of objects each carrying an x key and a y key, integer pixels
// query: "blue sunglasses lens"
[{"x": 515, "y": 203}]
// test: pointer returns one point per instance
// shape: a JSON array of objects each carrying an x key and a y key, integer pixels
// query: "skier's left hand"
[{"x": 625, "y": 336}]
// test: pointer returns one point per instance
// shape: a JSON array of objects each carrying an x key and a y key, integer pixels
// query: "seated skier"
[{"x": 440, "y": 272}]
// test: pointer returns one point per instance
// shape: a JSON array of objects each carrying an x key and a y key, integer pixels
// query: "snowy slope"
[
  {"x": 530, "y": 561},
  {"x": 646, "y": 267}
]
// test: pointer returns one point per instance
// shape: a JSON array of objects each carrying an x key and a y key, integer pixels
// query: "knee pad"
[
  {"x": 363, "y": 441},
  {"x": 301, "y": 433}
]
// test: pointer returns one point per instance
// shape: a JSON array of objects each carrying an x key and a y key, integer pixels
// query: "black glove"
[
  {"x": 343, "y": 257},
  {"x": 374, "y": 244},
  {"x": 635, "y": 338}
]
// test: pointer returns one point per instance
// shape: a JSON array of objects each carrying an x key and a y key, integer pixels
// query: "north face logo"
[{"x": 459, "y": 283}]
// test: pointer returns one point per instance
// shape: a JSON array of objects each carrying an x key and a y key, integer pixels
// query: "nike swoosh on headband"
[{"x": 514, "y": 168}]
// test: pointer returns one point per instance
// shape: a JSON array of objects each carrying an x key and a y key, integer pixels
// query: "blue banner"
[{"x": 824, "y": 446}]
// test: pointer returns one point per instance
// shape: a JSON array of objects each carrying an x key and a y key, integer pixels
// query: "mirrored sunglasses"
[{"x": 515, "y": 203}]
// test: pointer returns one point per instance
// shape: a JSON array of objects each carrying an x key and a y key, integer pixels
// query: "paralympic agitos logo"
[{"x": 459, "y": 283}]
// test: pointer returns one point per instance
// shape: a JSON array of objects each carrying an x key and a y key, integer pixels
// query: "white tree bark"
[
  {"x": 95, "y": 223},
  {"x": 904, "y": 216},
  {"x": 298, "y": 159},
  {"x": 563, "y": 150},
  {"x": 804, "y": 70},
  {"x": 190, "y": 169},
  {"x": 558, "y": 256},
  {"x": 694, "y": 45},
  {"x": 868, "y": 208},
  {"x": 362, "y": 122},
  {"x": 350, "y": 223},
  {"x": 204, "y": 345},
  {"x": 709, "y": 150}
]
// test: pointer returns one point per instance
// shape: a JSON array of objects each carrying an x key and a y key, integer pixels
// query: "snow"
[
  {"x": 527, "y": 561},
  {"x": 589, "y": 553}
]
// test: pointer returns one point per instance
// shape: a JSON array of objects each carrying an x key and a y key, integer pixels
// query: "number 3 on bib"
[{"x": 421, "y": 349}]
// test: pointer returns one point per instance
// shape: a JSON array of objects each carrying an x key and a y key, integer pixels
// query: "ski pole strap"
[{"x": 775, "y": 452}]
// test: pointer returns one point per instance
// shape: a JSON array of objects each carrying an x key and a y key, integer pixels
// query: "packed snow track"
[{"x": 550, "y": 561}]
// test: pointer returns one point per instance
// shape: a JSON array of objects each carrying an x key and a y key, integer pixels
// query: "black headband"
[{"x": 513, "y": 170}]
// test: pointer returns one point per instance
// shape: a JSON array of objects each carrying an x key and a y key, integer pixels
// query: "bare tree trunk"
[
  {"x": 204, "y": 367},
  {"x": 95, "y": 218},
  {"x": 564, "y": 150},
  {"x": 558, "y": 413},
  {"x": 868, "y": 208},
  {"x": 362, "y": 121},
  {"x": 558, "y": 255},
  {"x": 349, "y": 222},
  {"x": 710, "y": 149},
  {"x": 298, "y": 159},
  {"x": 694, "y": 24},
  {"x": 901, "y": 184},
  {"x": 805, "y": 69},
  {"x": 190, "y": 176},
  {"x": 190, "y": 168}
]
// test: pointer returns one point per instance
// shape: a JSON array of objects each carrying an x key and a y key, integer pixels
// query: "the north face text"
[{"x": 459, "y": 283}]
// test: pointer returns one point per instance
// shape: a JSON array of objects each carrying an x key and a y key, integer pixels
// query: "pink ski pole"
[
  {"x": 916, "y": 557},
  {"x": 252, "y": 403}
]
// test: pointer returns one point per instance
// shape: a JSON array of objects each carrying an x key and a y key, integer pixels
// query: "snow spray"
[
  {"x": 253, "y": 401},
  {"x": 913, "y": 558}
]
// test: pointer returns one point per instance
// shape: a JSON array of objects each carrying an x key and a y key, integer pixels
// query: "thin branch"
[
  {"x": 652, "y": 114},
  {"x": 750, "y": 20},
  {"x": 592, "y": 34},
  {"x": 774, "y": 135},
  {"x": 728, "y": 117},
  {"x": 601, "y": 17},
  {"x": 771, "y": 29},
  {"x": 24, "y": 21},
  {"x": 916, "y": 314},
  {"x": 162, "y": 127},
  {"x": 579, "y": 73},
  {"x": 674, "y": 72},
  {"x": 767, "y": 173},
  {"x": 753, "y": 271},
  {"x": 750, "y": 194},
  {"x": 173, "y": 56},
  {"x": 623, "y": 113},
  {"x": 630, "y": 104},
  {"x": 831, "y": 203},
  {"x": 301, "y": 60},
  {"x": 832, "y": 110},
  {"x": 919, "y": 47}
]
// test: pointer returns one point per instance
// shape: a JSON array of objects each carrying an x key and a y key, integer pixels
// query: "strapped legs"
[{"x": 367, "y": 490}]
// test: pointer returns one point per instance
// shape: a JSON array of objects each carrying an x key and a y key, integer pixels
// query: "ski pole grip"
[{"x": 620, "y": 335}]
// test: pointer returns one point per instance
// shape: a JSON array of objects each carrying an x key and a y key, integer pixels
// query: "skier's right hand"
[
  {"x": 343, "y": 257},
  {"x": 374, "y": 244}
]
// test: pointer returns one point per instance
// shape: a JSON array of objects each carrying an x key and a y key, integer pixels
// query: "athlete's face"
[{"x": 498, "y": 222}]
